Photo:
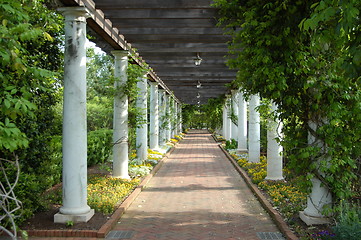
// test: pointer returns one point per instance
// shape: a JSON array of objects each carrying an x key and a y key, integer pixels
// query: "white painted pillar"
[
  {"x": 169, "y": 125},
  {"x": 120, "y": 118},
  {"x": 180, "y": 118},
  {"x": 172, "y": 117},
  {"x": 142, "y": 128},
  {"x": 242, "y": 123},
  {"x": 162, "y": 130},
  {"x": 320, "y": 195},
  {"x": 274, "y": 149},
  {"x": 176, "y": 116},
  {"x": 154, "y": 116},
  {"x": 234, "y": 108},
  {"x": 75, "y": 206},
  {"x": 224, "y": 124},
  {"x": 254, "y": 136},
  {"x": 228, "y": 134}
]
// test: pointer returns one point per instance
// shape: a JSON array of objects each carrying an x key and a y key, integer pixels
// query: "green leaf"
[
  {"x": 7, "y": 103},
  {"x": 48, "y": 37}
]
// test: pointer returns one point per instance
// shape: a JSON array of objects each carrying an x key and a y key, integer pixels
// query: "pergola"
[{"x": 168, "y": 36}]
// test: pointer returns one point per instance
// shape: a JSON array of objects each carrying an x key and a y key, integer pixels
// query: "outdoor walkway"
[{"x": 197, "y": 194}]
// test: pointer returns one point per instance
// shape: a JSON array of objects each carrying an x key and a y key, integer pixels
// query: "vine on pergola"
[{"x": 305, "y": 56}]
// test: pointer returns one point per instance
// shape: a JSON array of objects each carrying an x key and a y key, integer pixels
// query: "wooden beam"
[
  {"x": 165, "y": 75},
  {"x": 195, "y": 70},
  {"x": 162, "y": 23},
  {"x": 200, "y": 78},
  {"x": 141, "y": 38},
  {"x": 182, "y": 47},
  {"x": 111, "y": 4},
  {"x": 124, "y": 13},
  {"x": 172, "y": 31},
  {"x": 184, "y": 61},
  {"x": 183, "y": 55}
]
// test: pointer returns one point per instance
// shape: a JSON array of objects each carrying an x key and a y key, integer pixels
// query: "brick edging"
[
  {"x": 103, "y": 231},
  {"x": 277, "y": 218}
]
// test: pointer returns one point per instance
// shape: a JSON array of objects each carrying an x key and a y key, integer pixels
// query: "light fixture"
[
  {"x": 198, "y": 60},
  {"x": 198, "y": 95},
  {"x": 199, "y": 85}
]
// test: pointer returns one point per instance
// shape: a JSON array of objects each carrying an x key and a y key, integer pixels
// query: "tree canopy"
[{"x": 304, "y": 56}]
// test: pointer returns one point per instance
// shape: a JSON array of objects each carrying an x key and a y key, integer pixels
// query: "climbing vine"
[{"x": 304, "y": 56}]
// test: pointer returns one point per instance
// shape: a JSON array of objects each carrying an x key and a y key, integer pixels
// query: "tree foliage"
[
  {"x": 304, "y": 55},
  {"x": 100, "y": 83},
  {"x": 204, "y": 116},
  {"x": 30, "y": 70}
]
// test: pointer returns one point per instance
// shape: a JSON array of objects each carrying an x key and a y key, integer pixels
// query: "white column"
[
  {"x": 228, "y": 120},
  {"x": 176, "y": 116},
  {"x": 224, "y": 124},
  {"x": 242, "y": 124},
  {"x": 154, "y": 117},
  {"x": 254, "y": 136},
  {"x": 75, "y": 206},
  {"x": 172, "y": 117},
  {"x": 169, "y": 126},
  {"x": 162, "y": 131},
  {"x": 274, "y": 149},
  {"x": 142, "y": 128},
  {"x": 120, "y": 118},
  {"x": 234, "y": 110},
  {"x": 320, "y": 195},
  {"x": 180, "y": 118}
]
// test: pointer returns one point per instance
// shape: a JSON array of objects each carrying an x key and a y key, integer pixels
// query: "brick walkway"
[{"x": 197, "y": 194}]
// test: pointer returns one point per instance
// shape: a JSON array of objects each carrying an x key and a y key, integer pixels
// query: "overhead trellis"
[{"x": 168, "y": 37}]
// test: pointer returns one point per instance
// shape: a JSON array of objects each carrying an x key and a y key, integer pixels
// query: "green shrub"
[
  {"x": 99, "y": 146},
  {"x": 348, "y": 222},
  {"x": 49, "y": 172},
  {"x": 231, "y": 144},
  {"x": 99, "y": 113}
]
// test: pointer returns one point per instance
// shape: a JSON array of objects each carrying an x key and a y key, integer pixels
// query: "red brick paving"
[{"x": 197, "y": 194}]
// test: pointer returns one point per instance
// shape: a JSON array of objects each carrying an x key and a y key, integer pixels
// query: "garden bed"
[
  {"x": 284, "y": 199},
  {"x": 42, "y": 223}
]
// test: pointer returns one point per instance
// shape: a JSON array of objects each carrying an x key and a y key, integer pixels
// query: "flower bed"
[
  {"x": 285, "y": 196},
  {"x": 288, "y": 198},
  {"x": 106, "y": 193}
]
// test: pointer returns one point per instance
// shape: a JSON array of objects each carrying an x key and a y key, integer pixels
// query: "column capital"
[
  {"x": 120, "y": 53},
  {"x": 75, "y": 14}
]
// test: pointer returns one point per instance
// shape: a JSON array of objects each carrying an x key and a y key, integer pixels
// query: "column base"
[
  {"x": 126, "y": 177},
  {"x": 164, "y": 148},
  {"x": 309, "y": 220},
  {"x": 64, "y": 218},
  {"x": 242, "y": 150},
  {"x": 274, "y": 178}
]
